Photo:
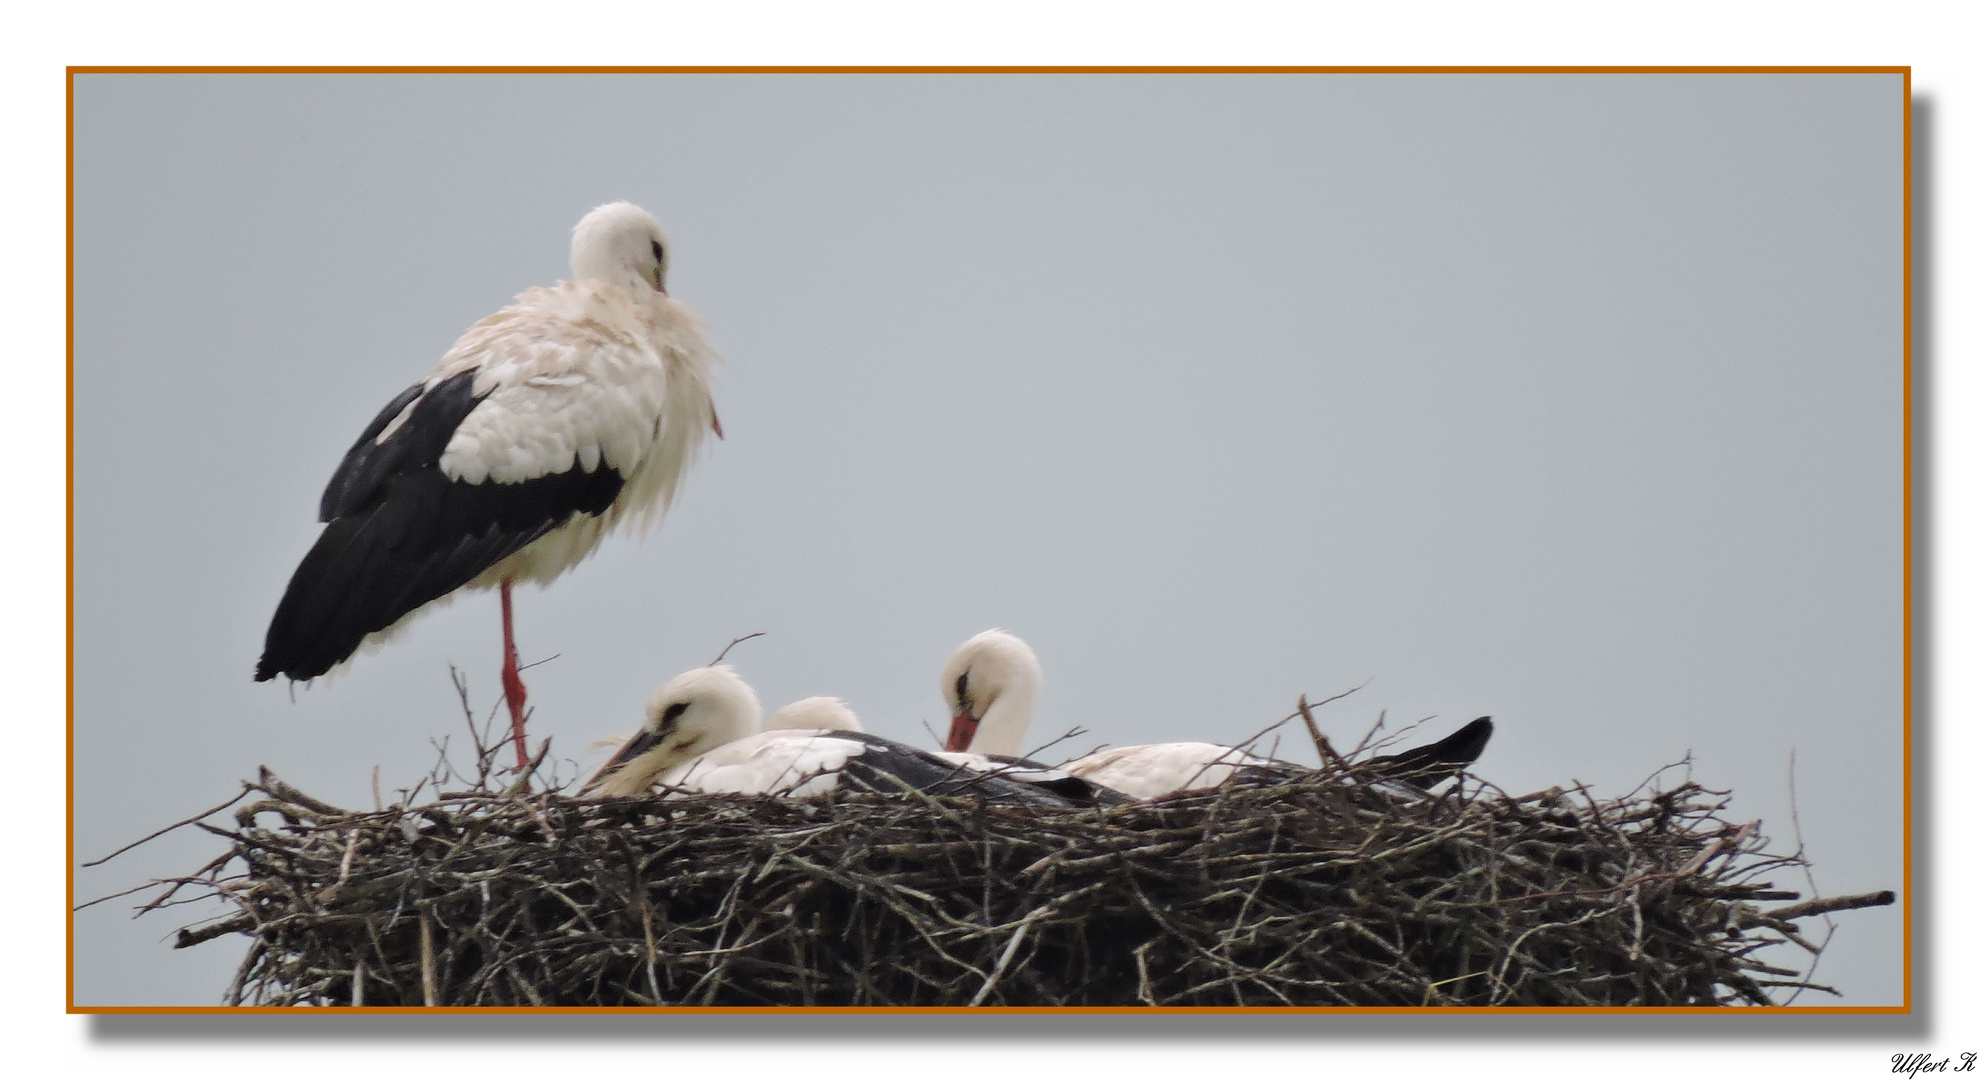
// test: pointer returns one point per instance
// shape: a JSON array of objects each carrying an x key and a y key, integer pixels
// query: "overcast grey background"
[{"x": 1574, "y": 400}]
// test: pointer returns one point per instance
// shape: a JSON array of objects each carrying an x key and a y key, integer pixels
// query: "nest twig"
[{"x": 1316, "y": 889}]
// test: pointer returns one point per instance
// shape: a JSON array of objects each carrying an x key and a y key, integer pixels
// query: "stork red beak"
[
  {"x": 961, "y": 733},
  {"x": 711, "y": 411}
]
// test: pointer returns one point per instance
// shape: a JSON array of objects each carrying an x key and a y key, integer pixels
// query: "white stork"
[
  {"x": 814, "y": 714},
  {"x": 550, "y": 423},
  {"x": 702, "y": 734},
  {"x": 1151, "y": 770},
  {"x": 991, "y": 685},
  {"x": 697, "y": 711}
]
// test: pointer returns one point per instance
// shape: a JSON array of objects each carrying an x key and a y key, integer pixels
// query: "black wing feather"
[
  {"x": 893, "y": 766},
  {"x": 417, "y": 443},
  {"x": 1076, "y": 789},
  {"x": 401, "y": 533},
  {"x": 1429, "y": 765}
]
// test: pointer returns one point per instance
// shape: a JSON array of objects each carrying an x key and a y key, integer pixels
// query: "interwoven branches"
[{"x": 1316, "y": 890}]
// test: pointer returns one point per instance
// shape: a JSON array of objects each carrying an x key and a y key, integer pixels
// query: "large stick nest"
[{"x": 1321, "y": 889}]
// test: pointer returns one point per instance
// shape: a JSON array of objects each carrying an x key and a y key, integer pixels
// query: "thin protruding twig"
[
  {"x": 732, "y": 644},
  {"x": 1075, "y": 732},
  {"x": 1366, "y": 740},
  {"x": 1321, "y": 703},
  {"x": 244, "y": 789}
]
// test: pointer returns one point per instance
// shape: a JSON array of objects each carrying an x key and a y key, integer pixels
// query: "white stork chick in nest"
[
  {"x": 549, "y": 424},
  {"x": 814, "y": 714},
  {"x": 702, "y": 734},
  {"x": 991, "y": 685},
  {"x": 697, "y": 711}
]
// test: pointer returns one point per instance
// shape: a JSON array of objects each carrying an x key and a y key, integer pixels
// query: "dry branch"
[{"x": 1313, "y": 889}]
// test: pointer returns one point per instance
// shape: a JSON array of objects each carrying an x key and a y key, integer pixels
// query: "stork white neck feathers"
[{"x": 991, "y": 685}]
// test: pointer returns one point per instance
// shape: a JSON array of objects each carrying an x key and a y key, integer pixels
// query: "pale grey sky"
[{"x": 1574, "y": 400}]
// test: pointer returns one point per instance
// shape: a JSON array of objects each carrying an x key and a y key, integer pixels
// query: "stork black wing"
[
  {"x": 401, "y": 533},
  {"x": 892, "y": 766},
  {"x": 369, "y": 462},
  {"x": 1426, "y": 766},
  {"x": 1075, "y": 789}
]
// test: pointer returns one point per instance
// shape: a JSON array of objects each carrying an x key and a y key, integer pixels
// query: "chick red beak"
[
  {"x": 711, "y": 411},
  {"x": 961, "y": 733}
]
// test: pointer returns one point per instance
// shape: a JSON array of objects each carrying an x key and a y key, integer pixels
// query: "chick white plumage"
[
  {"x": 815, "y": 714},
  {"x": 702, "y": 734},
  {"x": 991, "y": 684},
  {"x": 1150, "y": 770}
]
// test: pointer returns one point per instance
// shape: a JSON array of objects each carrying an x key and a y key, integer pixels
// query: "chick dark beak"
[{"x": 634, "y": 746}]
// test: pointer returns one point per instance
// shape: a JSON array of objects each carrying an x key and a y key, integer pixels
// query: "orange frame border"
[{"x": 1908, "y": 523}]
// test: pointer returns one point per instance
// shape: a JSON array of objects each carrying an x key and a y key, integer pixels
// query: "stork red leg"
[{"x": 511, "y": 676}]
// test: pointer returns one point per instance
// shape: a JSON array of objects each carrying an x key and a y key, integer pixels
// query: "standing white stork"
[
  {"x": 548, "y": 424},
  {"x": 991, "y": 685},
  {"x": 702, "y": 734}
]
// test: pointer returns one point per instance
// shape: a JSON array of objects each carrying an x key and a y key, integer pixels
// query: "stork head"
[
  {"x": 814, "y": 713},
  {"x": 696, "y": 712},
  {"x": 621, "y": 245},
  {"x": 991, "y": 685}
]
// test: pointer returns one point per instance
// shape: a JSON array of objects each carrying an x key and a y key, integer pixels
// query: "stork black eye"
[
  {"x": 961, "y": 688},
  {"x": 658, "y": 253},
  {"x": 672, "y": 712}
]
